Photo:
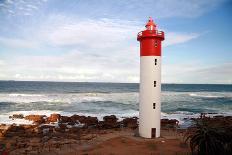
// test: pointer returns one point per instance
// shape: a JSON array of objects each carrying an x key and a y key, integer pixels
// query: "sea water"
[{"x": 179, "y": 101}]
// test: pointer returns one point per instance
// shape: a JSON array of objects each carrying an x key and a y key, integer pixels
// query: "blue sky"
[{"x": 95, "y": 40}]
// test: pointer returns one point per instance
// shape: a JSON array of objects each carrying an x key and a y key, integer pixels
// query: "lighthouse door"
[{"x": 153, "y": 132}]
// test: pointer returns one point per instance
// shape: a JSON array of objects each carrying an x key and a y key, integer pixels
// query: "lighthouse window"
[
  {"x": 155, "y": 61},
  {"x": 153, "y": 105},
  {"x": 154, "y": 83},
  {"x": 156, "y": 43}
]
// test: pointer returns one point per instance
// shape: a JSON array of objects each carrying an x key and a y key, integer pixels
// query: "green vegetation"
[{"x": 211, "y": 136}]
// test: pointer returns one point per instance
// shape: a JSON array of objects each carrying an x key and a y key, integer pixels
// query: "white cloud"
[
  {"x": 18, "y": 43},
  {"x": 103, "y": 33},
  {"x": 72, "y": 66},
  {"x": 94, "y": 50},
  {"x": 91, "y": 33},
  {"x": 173, "y": 38},
  {"x": 189, "y": 72}
]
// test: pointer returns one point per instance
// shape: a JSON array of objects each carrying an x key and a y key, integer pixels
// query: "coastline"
[
  {"x": 47, "y": 135},
  {"x": 87, "y": 135}
]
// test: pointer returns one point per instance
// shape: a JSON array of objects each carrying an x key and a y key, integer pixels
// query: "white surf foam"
[
  {"x": 126, "y": 98},
  {"x": 212, "y": 94}
]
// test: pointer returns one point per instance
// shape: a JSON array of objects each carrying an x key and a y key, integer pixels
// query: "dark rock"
[
  {"x": 65, "y": 119},
  {"x": 17, "y": 116},
  {"x": 88, "y": 121},
  {"x": 109, "y": 122},
  {"x": 172, "y": 123},
  {"x": 130, "y": 122},
  {"x": 111, "y": 118},
  {"x": 62, "y": 126}
]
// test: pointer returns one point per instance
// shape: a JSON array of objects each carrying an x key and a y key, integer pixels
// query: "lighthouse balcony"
[{"x": 151, "y": 33}]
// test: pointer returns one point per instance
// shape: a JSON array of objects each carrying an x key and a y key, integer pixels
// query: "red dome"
[{"x": 150, "y": 23}]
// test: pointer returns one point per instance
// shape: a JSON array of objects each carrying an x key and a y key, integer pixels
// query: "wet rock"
[
  {"x": 111, "y": 118},
  {"x": 54, "y": 118},
  {"x": 77, "y": 118},
  {"x": 130, "y": 122},
  {"x": 170, "y": 123},
  {"x": 65, "y": 119},
  {"x": 87, "y": 121},
  {"x": 62, "y": 127},
  {"x": 109, "y": 122},
  {"x": 14, "y": 131},
  {"x": 37, "y": 119},
  {"x": 17, "y": 116}
]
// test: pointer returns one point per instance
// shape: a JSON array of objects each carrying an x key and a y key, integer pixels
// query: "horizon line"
[{"x": 110, "y": 82}]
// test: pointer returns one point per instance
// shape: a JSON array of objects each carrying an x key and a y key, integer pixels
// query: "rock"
[
  {"x": 4, "y": 127},
  {"x": 172, "y": 123},
  {"x": 28, "y": 126},
  {"x": 109, "y": 122},
  {"x": 65, "y": 119},
  {"x": 111, "y": 118},
  {"x": 14, "y": 131},
  {"x": 130, "y": 122},
  {"x": 62, "y": 126},
  {"x": 91, "y": 121},
  {"x": 37, "y": 130},
  {"x": 17, "y": 116},
  {"x": 35, "y": 140},
  {"x": 38, "y": 119},
  {"x": 45, "y": 139},
  {"x": 54, "y": 118},
  {"x": 87, "y": 121},
  {"x": 77, "y": 118}
]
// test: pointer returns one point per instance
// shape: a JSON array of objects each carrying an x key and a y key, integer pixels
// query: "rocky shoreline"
[{"x": 47, "y": 133}]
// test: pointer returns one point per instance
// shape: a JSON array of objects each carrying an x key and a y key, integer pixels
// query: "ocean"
[{"x": 179, "y": 101}]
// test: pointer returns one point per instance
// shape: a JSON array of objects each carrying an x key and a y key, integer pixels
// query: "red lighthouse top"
[
  {"x": 150, "y": 40},
  {"x": 150, "y": 24}
]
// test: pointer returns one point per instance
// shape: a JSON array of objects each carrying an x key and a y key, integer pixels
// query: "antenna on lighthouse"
[{"x": 150, "y": 80}]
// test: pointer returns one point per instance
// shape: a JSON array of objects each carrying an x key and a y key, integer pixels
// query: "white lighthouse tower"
[{"x": 150, "y": 80}]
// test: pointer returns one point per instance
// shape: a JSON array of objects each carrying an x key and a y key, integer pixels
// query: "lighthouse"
[{"x": 150, "y": 80}]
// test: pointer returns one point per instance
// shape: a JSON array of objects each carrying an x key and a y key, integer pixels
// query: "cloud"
[
  {"x": 102, "y": 33},
  {"x": 20, "y": 7},
  {"x": 77, "y": 66},
  {"x": 18, "y": 43},
  {"x": 173, "y": 38},
  {"x": 93, "y": 33},
  {"x": 189, "y": 72},
  {"x": 72, "y": 66},
  {"x": 103, "y": 50},
  {"x": 94, "y": 49}
]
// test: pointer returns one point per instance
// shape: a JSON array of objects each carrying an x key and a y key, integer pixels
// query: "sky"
[{"x": 96, "y": 40}]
